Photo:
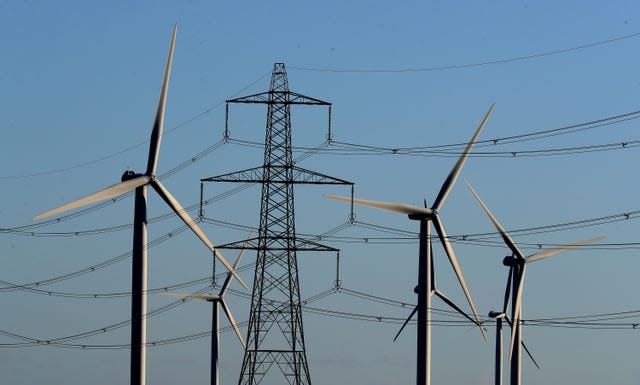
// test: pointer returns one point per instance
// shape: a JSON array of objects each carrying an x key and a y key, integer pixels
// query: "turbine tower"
[
  {"x": 499, "y": 317},
  {"x": 275, "y": 335}
]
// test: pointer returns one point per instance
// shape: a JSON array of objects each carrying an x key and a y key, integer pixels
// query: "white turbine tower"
[
  {"x": 426, "y": 285},
  {"x": 517, "y": 268},
  {"x": 139, "y": 182},
  {"x": 217, "y": 301}
]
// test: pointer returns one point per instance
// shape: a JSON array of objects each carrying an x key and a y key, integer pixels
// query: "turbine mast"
[{"x": 423, "y": 375}]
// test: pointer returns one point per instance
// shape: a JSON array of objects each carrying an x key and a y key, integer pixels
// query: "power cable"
[
  {"x": 512, "y": 59},
  {"x": 404, "y": 236},
  {"x": 590, "y": 322},
  {"x": 558, "y": 151}
]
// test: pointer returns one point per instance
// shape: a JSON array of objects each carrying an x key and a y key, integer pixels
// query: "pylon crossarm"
[
  {"x": 290, "y": 97},
  {"x": 258, "y": 175}
]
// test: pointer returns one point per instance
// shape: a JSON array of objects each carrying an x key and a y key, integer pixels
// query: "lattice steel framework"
[{"x": 275, "y": 336}]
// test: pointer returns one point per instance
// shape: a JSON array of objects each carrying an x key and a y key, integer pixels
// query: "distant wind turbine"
[
  {"x": 139, "y": 182},
  {"x": 517, "y": 268},
  {"x": 499, "y": 317},
  {"x": 426, "y": 277},
  {"x": 217, "y": 301}
]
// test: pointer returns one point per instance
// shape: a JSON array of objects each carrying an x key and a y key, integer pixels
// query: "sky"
[{"x": 80, "y": 82}]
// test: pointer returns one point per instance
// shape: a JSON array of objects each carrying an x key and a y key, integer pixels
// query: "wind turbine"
[
  {"x": 217, "y": 301},
  {"x": 499, "y": 317},
  {"x": 139, "y": 182},
  {"x": 517, "y": 268},
  {"x": 426, "y": 277}
]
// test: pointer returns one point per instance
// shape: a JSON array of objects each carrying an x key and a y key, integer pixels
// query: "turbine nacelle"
[
  {"x": 497, "y": 314},
  {"x": 511, "y": 261},
  {"x": 422, "y": 216},
  {"x": 128, "y": 175}
]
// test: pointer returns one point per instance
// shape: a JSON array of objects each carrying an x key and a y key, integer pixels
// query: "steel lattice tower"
[{"x": 275, "y": 336}]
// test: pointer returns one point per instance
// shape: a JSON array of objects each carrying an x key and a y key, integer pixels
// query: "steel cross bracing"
[{"x": 275, "y": 335}]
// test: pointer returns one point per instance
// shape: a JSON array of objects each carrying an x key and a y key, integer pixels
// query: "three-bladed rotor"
[
  {"x": 521, "y": 261},
  {"x": 219, "y": 298},
  {"x": 432, "y": 215},
  {"x": 131, "y": 181}
]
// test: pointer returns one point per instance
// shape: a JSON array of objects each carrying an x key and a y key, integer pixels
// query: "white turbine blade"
[
  {"x": 526, "y": 349},
  {"x": 158, "y": 123},
  {"x": 233, "y": 322},
  {"x": 109, "y": 192},
  {"x": 415, "y": 310},
  {"x": 455, "y": 307},
  {"x": 551, "y": 252},
  {"x": 390, "y": 206},
  {"x": 203, "y": 297},
  {"x": 227, "y": 280},
  {"x": 457, "y": 168},
  {"x": 505, "y": 236},
  {"x": 456, "y": 268},
  {"x": 517, "y": 309},
  {"x": 186, "y": 218},
  {"x": 530, "y": 355}
]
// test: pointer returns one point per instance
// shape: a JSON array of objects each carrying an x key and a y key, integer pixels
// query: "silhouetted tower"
[{"x": 275, "y": 336}]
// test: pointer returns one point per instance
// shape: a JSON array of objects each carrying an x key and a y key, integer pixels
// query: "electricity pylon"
[{"x": 275, "y": 335}]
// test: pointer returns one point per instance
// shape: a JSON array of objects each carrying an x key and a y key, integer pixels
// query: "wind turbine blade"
[
  {"x": 109, "y": 192},
  {"x": 517, "y": 309},
  {"x": 233, "y": 322},
  {"x": 455, "y": 307},
  {"x": 433, "y": 265},
  {"x": 505, "y": 236},
  {"x": 551, "y": 252},
  {"x": 158, "y": 123},
  {"x": 227, "y": 281},
  {"x": 203, "y": 297},
  {"x": 456, "y": 268},
  {"x": 413, "y": 312},
  {"x": 524, "y": 346},
  {"x": 530, "y": 356},
  {"x": 186, "y": 218},
  {"x": 507, "y": 291},
  {"x": 389, "y": 206},
  {"x": 457, "y": 168}
]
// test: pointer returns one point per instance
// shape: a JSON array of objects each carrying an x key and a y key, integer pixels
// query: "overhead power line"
[
  {"x": 350, "y": 149},
  {"x": 483, "y": 63},
  {"x": 399, "y": 236},
  {"x": 455, "y": 149},
  {"x": 586, "y": 321},
  {"x": 390, "y": 70}
]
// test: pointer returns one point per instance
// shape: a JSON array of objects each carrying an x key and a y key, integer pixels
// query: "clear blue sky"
[{"x": 80, "y": 82}]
